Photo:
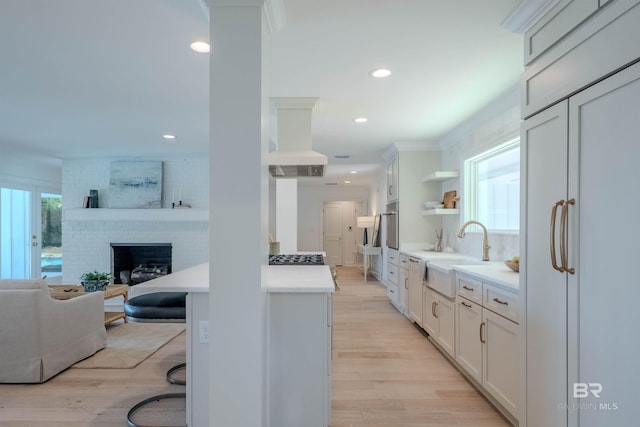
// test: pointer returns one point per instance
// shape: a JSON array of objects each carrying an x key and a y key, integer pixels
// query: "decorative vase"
[
  {"x": 93, "y": 201},
  {"x": 94, "y": 285}
]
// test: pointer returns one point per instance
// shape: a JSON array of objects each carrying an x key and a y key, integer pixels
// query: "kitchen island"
[{"x": 298, "y": 316}]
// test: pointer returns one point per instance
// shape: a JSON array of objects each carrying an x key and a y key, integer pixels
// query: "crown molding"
[
  {"x": 399, "y": 146},
  {"x": 527, "y": 14}
]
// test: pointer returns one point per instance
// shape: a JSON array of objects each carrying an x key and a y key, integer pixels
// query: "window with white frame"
[{"x": 492, "y": 188}]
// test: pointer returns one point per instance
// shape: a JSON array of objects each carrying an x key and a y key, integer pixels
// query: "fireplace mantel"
[{"x": 106, "y": 214}]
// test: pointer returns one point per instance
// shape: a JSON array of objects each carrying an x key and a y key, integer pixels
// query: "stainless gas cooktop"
[{"x": 297, "y": 259}]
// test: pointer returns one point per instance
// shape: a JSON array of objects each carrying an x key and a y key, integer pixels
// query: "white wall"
[
  {"x": 21, "y": 166},
  {"x": 497, "y": 123},
  {"x": 86, "y": 243},
  {"x": 310, "y": 199}
]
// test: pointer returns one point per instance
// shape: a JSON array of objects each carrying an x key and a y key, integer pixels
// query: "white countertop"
[
  {"x": 299, "y": 279},
  {"x": 493, "y": 272},
  {"x": 280, "y": 278}
]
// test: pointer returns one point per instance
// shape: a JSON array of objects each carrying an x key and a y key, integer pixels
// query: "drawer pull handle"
[
  {"x": 500, "y": 301},
  {"x": 465, "y": 304},
  {"x": 467, "y": 288}
]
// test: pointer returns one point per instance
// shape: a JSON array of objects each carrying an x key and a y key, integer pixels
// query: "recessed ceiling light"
[
  {"x": 347, "y": 182},
  {"x": 380, "y": 73},
  {"x": 200, "y": 47},
  {"x": 353, "y": 171},
  {"x": 360, "y": 120},
  {"x": 168, "y": 136}
]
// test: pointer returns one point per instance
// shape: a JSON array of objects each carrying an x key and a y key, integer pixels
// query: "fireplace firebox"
[{"x": 133, "y": 263}]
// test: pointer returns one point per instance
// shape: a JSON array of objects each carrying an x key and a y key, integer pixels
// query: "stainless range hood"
[{"x": 294, "y": 156}]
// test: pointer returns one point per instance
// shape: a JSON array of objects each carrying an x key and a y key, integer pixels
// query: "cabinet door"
[
  {"x": 415, "y": 291},
  {"x": 392, "y": 293},
  {"x": 403, "y": 289},
  {"x": 430, "y": 316},
  {"x": 446, "y": 315},
  {"x": 500, "y": 370},
  {"x": 468, "y": 349},
  {"x": 603, "y": 296},
  {"x": 392, "y": 180},
  {"x": 544, "y": 290}
]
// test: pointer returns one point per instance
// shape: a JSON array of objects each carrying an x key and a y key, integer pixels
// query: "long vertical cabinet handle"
[
  {"x": 481, "y": 333},
  {"x": 552, "y": 239},
  {"x": 564, "y": 237},
  {"x": 435, "y": 309},
  {"x": 405, "y": 283}
]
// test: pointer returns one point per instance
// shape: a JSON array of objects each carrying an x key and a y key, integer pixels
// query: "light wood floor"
[
  {"x": 99, "y": 397},
  {"x": 385, "y": 373}
]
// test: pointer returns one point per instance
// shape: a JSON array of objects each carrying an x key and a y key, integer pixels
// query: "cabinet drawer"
[
  {"x": 393, "y": 273},
  {"x": 470, "y": 289},
  {"x": 392, "y": 256},
  {"x": 501, "y": 302},
  {"x": 404, "y": 261},
  {"x": 392, "y": 293}
]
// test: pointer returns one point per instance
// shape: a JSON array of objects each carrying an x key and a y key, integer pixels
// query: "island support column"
[{"x": 238, "y": 215}]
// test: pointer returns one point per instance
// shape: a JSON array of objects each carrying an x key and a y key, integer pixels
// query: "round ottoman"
[{"x": 157, "y": 307}]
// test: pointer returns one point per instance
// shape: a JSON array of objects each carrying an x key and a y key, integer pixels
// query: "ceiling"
[{"x": 107, "y": 78}]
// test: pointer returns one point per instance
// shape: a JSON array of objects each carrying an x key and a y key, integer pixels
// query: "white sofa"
[{"x": 41, "y": 336}]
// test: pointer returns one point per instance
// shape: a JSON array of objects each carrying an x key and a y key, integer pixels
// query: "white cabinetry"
[
  {"x": 300, "y": 359},
  {"x": 403, "y": 285},
  {"x": 439, "y": 320},
  {"x": 468, "y": 341},
  {"x": 392, "y": 180},
  {"x": 580, "y": 155},
  {"x": 392, "y": 276},
  {"x": 416, "y": 272},
  {"x": 559, "y": 21},
  {"x": 487, "y": 346}
]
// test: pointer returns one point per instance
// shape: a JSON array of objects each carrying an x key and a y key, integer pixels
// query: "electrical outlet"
[{"x": 204, "y": 331}]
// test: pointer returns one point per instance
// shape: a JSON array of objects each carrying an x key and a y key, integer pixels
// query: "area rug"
[{"x": 129, "y": 344}]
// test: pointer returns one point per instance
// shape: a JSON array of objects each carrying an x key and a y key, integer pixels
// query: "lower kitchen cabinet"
[
  {"x": 468, "y": 337},
  {"x": 300, "y": 359},
  {"x": 393, "y": 283},
  {"x": 500, "y": 360},
  {"x": 487, "y": 346},
  {"x": 403, "y": 285},
  {"x": 439, "y": 319},
  {"x": 415, "y": 297}
]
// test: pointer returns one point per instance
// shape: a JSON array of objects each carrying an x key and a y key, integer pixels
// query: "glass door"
[
  {"x": 49, "y": 251},
  {"x": 16, "y": 236},
  {"x": 30, "y": 233}
]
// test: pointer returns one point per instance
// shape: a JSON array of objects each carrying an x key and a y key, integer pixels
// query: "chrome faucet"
[{"x": 485, "y": 244}]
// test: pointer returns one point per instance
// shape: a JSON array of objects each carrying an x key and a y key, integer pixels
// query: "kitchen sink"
[{"x": 441, "y": 277}]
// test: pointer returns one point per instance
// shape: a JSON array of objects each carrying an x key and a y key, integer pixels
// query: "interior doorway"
[{"x": 340, "y": 236}]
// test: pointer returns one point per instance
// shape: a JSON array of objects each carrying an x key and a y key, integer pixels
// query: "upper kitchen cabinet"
[
  {"x": 559, "y": 21},
  {"x": 604, "y": 43},
  {"x": 392, "y": 180}
]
